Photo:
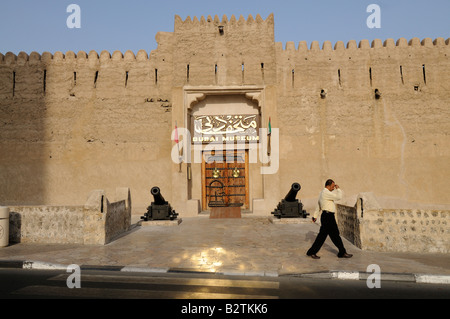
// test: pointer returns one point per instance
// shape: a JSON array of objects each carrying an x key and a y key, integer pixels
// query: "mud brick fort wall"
[{"x": 373, "y": 116}]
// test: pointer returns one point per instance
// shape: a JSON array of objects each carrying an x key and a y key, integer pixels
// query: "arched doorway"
[{"x": 219, "y": 112}]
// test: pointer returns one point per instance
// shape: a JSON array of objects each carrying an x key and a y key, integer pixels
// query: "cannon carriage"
[
  {"x": 290, "y": 206},
  {"x": 159, "y": 209}
]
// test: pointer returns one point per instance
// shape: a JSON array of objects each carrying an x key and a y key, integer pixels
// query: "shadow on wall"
[
  {"x": 22, "y": 130},
  {"x": 66, "y": 125}
]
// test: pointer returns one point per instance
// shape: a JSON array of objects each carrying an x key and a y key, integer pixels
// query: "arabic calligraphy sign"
[{"x": 226, "y": 128}]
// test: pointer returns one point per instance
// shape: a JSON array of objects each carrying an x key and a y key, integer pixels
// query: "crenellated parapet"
[
  {"x": 230, "y": 51},
  {"x": 33, "y": 58},
  {"x": 364, "y": 44},
  {"x": 390, "y": 66},
  {"x": 213, "y": 23},
  {"x": 84, "y": 74}
]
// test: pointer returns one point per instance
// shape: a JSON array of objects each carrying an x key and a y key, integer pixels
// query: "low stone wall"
[
  {"x": 46, "y": 224},
  {"x": 98, "y": 222},
  {"x": 118, "y": 216},
  {"x": 348, "y": 224},
  {"x": 371, "y": 227},
  {"x": 406, "y": 230}
]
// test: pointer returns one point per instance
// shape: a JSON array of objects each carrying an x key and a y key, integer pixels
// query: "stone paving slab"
[{"x": 248, "y": 246}]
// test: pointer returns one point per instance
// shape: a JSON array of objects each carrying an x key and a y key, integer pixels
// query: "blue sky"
[{"x": 40, "y": 25}]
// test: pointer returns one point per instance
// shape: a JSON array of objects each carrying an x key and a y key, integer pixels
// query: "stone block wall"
[
  {"x": 399, "y": 230},
  {"x": 118, "y": 214},
  {"x": 46, "y": 224},
  {"x": 98, "y": 222},
  {"x": 406, "y": 230},
  {"x": 348, "y": 224}
]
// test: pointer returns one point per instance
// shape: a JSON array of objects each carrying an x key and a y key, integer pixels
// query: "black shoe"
[
  {"x": 346, "y": 256},
  {"x": 314, "y": 256}
]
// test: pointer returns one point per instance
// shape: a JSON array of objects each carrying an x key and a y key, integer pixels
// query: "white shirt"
[{"x": 326, "y": 201}]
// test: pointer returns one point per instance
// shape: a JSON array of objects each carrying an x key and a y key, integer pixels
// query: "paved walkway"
[{"x": 250, "y": 246}]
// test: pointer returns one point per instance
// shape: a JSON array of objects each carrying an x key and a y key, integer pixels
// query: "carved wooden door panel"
[{"x": 225, "y": 179}]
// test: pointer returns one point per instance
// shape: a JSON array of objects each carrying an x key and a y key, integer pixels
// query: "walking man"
[{"x": 326, "y": 205}]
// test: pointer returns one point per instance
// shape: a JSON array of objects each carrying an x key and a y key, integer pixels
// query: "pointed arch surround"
[{"x": 193, "y": 95}]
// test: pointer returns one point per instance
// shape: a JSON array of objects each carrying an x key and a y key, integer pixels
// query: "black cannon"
[
  {"x": 160, "y": 209},
  {"x": 291, "y": 196},
  {"x": 290, "y": 207}
]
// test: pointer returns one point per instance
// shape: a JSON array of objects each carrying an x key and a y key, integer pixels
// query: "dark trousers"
[{"x": 328, "y": 227}]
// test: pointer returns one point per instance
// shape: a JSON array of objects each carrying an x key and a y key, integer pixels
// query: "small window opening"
[
  {"x": 126, "y": 78},
  {"x": 95, "y": 79},
  {"x": 262, "y": 71},
  {"x": 14, "y": 83},
  {"x": 156, "y": 76},
  {"x": 377, "y": 94},
  {"x": 187, "y": 73},
  {"x": 339, "y": 77},
  {"x": 215, "y": 72},
  {"x": 424, "y": 74},
  {"x": 401, "y": 74},
  {"x": 362, "y": 208},
  {"x": 45, "y": 80},
  {"x": 293, "y": 77},
  {"x": 370, "y": 76}
]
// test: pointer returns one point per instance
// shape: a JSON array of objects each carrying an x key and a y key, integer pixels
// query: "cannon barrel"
[
  {"x": 290, "y": 207},
  {"x": 290, "y": 197},
  {"x": 159, "y": 199},
  {"x": 159, "y": 209}
]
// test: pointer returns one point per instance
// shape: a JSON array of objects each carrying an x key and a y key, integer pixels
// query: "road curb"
[
  {"x": 338, "y": 275},
  {"x": 432, "y": 279},
  {"x": 356, "y": 275}
]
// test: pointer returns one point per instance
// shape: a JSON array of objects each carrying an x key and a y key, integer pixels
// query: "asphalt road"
[
  {"x": 182, "y": 295},
  {"x": 22, "y": 283}
]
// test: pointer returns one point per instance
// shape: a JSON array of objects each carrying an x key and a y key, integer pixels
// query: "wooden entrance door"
[{"x": 225, "y": 179}]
